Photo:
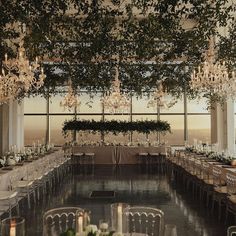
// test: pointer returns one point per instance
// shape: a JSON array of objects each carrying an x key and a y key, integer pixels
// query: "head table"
[{"x": 112, "y": 154}]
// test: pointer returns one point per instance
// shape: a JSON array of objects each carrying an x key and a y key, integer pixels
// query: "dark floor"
[{"x": 134, "y": 185}]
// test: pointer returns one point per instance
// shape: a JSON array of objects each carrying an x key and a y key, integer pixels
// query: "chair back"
[
  {"x": 146, "y": 220},
  {"x": 206, "y": 171},
  {"x": 231, "y": 183},
  {"x": 198, "y": 168},
  {"x": 58, "y": 220},
  {"x": 231, "y": 231},
  {"x": 217, "y": 178}
]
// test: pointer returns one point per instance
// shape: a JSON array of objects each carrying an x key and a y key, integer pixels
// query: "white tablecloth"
[
  {"x": 20, "y": 171},
  {"x": 117, "y": 154}
]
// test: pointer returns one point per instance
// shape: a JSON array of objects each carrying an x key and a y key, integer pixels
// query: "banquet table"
[
  {"x": 224, "y": 168},
  {"x": 117, "y": 154},
  {"x": 19, "y": 171}
]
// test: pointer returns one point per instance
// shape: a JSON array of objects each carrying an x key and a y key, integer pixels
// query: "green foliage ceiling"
[{"x": 148, "y": 35}]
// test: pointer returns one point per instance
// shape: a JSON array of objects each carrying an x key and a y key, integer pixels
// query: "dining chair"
[
  {"x": 145, "y": 220},
  {"x": 78, "y": 158},
  {"x": 24, "y": 186},
  {"x": 231, "y": 198},
  {"x": 143, "y": 158},
  {"x": 89, "y": 158},
  {"x": 58, "y": 220},
  {"x": 231, "y": 231},
  {"x": 9, "y": 200},
  {"x": 207, "y": 182},
  {"x": 220, "y": 190}
]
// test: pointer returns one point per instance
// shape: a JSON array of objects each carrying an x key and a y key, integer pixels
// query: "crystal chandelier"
[
  {"x": 213, "y": 76},
  {"x": 158, "y": 98},
  {"x": 70, "y": 101},
  {"x": 115, "y": 101},
  {"x": 19, "y": 74}
]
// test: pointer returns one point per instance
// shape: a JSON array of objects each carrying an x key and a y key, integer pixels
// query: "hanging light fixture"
[
  {"x": 213, "y": 76},
  {"x": 19, "y": 74},
  {"x": 70, "y": 101},
  {"x": 115, "y": 101},
  {"x": 158, "y": 98}
]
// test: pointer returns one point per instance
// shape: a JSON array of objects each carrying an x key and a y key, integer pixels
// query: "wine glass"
[{"x": 170, "y": 230}]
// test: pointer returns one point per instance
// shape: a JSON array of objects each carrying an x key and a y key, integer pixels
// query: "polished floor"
[{"x": 133, "y": 185}]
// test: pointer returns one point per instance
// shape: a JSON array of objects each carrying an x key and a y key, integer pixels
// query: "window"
[{"x": 91, "y": 109}]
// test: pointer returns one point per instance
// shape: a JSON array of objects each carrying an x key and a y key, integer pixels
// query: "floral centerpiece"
[{"x": 92, "y": 230}]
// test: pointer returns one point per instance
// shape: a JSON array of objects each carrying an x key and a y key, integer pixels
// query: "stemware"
[{"x": 170, "y": 230}]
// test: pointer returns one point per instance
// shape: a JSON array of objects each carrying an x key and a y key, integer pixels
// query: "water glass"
[
  {"x": 14, "y": 226},
  {"x": 117, "y": 210},
  {"x": 170, "y": 230}
]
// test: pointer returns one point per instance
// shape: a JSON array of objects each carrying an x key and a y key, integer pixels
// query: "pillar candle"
[
  {"x": 80, "y": 224},
  {"x": 13, "y": 228},
  {"x": 119, "y": 219}
]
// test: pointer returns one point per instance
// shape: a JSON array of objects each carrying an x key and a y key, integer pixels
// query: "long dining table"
[
  {"x": 224, "y": 167},
  {"x": 19, "y": 171}
]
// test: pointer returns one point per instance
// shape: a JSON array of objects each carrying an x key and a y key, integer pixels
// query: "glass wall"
[{"x": 39, "y": 117}]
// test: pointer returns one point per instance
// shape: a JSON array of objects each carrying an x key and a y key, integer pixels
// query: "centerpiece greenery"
[
  {"x": 220, "y": 157},
  {"x": 116, "y": 127}
]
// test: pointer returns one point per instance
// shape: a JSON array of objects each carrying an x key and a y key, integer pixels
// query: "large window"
[
  {"x": 42, "y": 114},
  {"x": 199, "y": 120}
]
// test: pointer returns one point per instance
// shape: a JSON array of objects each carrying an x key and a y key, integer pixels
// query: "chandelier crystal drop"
[
  {"x": 115, "y": 101},
  {"x": 158, "y": 98},
  {"x": 19, "y": 75},
  {"x": 213, "y": 76},
  {"x": 70, "y": 101}
]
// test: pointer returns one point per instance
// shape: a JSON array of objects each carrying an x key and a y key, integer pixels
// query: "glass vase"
[
  {"x": 14, "y": 226},
  {"x": 117, "y": 210}
]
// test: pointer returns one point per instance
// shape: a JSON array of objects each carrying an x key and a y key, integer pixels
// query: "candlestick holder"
[{"x": 14, "y": 226}]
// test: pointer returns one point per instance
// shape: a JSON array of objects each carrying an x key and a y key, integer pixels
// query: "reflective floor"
[{"x": 134, "y": 185}]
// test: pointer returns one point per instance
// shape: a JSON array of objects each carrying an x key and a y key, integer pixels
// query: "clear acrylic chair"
[
  {"x": 9, "y": 200},
  {"x": 231, "y": 198},
  {"x": 146, "y": 220},
  {"x": 24, "y": 186},
  {"x": 220, "y": 190},
  {"x": 58, "y": 220},
  {"x": 231, "y": 231}
]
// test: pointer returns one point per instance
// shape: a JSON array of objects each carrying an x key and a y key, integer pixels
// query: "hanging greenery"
[
  {"x": 155, "y": 40},
  {"x": 116, "y": 127}
]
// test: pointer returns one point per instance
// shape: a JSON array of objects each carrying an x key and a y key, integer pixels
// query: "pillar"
[
  {"x": 222, "y": 126},
  {"x": 4, "y": 128},
  {"x": 16, "y": 124}
]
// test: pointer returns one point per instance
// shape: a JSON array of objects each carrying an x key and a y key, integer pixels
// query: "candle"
[
  {"x": 13, "y": 228},
  {"x": 119, "y": 219},
  {"x": 80, "y": 224}
]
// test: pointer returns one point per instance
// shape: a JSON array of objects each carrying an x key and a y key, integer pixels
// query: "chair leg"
[
  {"x": 28, "y": 197},
  {"x": 10, "y": 209}
]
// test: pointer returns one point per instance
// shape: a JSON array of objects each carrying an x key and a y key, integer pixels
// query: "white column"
[
  {"x": 20, "y": 125},
  {"x": 4, "y": 128},
  {"x": 16, "y": 124},
  {"x": 230, "y": 126},
  {"x": 222, "y": 126}
]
